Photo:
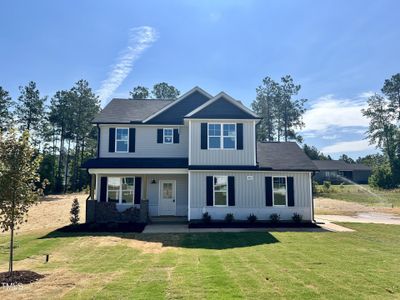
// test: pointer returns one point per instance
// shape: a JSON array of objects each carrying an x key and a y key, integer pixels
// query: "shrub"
[
  {"x": 229, "y": 218},
  {"x": 327, "y": 186},
  {"x": 342, "y": 186},
  {"x": 315, "y": 187},
  {"x": 252, "y": 218},
  {"x": 275, "y": 218},
  {"x": 382, "y": 178},
  {"x": 206, "y": 217},
  {"x": 297, "y": 218},
  {"x": 75, "y": 212}
]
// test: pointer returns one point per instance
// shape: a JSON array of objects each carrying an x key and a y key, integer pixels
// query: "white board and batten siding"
[
  {"x": 146, "y": 142},
  {"x": 243, "y": 157},
  {"x": 250, "y": 195}
]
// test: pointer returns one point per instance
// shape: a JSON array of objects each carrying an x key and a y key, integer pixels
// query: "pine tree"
[{"x": 6, "y": 116}]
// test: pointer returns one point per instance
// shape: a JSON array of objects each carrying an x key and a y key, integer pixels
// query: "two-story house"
[{"x": 193, "y": 155}]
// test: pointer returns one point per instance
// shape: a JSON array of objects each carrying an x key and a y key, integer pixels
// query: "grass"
[
  {"x": 360, "y": 194},
  {"x": 299, "y": 265}
]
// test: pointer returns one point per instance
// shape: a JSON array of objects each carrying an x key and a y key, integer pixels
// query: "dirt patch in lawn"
[
  {"x": 53, "y": 212},
  {"x": 143, "y": 246},
  {"x": 57, "y": 284},
  {"x": 326, "y": 206}
]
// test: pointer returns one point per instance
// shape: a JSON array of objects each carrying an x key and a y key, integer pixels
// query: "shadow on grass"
[{"x": 216, "y": 241}]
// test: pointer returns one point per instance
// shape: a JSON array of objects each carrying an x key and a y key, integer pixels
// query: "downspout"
[{"x": 312, "y": 197}]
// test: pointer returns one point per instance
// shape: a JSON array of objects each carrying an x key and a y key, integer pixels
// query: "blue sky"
[{"x": 339, "y": 51}]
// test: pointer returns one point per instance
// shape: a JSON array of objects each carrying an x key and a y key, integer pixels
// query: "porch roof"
[{"x": 132, "y": 163}]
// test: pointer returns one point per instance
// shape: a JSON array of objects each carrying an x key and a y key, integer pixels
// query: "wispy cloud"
[
  {"x": 328, "y": 112},
  {"x": 140, "y": 38},
  {"x": 330, "y": 137},
  {"x": 350, "y": 146}
]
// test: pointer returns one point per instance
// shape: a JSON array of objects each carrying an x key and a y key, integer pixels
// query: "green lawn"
[
  {"x": 362, "y": 264},
  {"x": 361, "y": 194}
]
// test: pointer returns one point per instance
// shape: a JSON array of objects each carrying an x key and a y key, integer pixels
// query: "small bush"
[
  {"x": 297, "y": 218},
  {"x": 75, "y": 212},
  {"x": 275, "y": 218},
  {"x": 327, "y": 186},
  {"x": 229, "y": 218},
  {"x": 206, "y": 217},
  {"x": 382, "y": 178},
  {"x": 252, "y": 218},
  {"x": 315, "y": 187}
]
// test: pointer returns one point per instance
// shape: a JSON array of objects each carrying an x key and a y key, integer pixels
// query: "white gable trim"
[
  {"x": 195, "y": 89},
  {"x": 227, "y": 97}
]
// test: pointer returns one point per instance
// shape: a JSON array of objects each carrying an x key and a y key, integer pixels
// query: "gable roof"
[
  {"x": 222, "y": 106},
  {"x": 175, "y": 112},
  {"x": 339, "y": 165},
  {"x": 121, "y": 111},
  {"x": 283, "y": 156}
]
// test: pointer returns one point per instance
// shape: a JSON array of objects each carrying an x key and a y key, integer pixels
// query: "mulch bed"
[
  {"x": 244, "y": 224},
  {"x": 19, "y": 277},
  {"x": 104, "y": 227}
]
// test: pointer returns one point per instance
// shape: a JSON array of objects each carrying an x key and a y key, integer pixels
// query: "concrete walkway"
[
  {"x": 183, "y": 228},
  {"x": 365, "y": 217}
]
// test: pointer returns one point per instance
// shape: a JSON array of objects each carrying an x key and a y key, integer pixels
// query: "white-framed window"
[
  {"x": 168, "y": 136},
  {"x": 279, "y": 185},
  {"x": 221, "y": 136},
  {"x": 122, "y": 140},
  {"x": 121, "y": 190},
  {"x": 220, "y": 187}
]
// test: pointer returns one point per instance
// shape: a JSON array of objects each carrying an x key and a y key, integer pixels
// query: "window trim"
[
  {"x": 116, "y": 140},
  {"x": 221, "y": 137},
  {"x": 172, "y": 136},
  {"x": 120, "y": 190},
  {"x": 227, "y": 191},
  {"x": 273, "y": 193}
]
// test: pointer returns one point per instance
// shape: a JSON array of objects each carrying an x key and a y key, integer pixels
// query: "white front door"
[{"x": 167, "y": 205}]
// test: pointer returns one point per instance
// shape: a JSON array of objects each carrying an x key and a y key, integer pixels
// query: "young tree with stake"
[{"x": 19, "y": 183}]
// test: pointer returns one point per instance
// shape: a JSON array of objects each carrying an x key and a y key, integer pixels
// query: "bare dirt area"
[
  {"x": 326, "y": 206},
  {"x": 53, "y": 212}
]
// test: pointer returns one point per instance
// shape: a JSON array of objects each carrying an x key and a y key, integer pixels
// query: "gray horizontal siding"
[
  {"x": 250, "y": 195},
  {"x": 146, "y": 143},
  {"x": 200, "y": 156}
]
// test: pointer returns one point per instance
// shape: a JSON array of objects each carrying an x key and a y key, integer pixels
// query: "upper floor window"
[
  {"x": 279, "y": 188},
  {"x": 168, "y": 136},
  {"x": 121, "y": 140},
  {"x": 121, "y": 190},
  {"x": 222, "y": 136}
]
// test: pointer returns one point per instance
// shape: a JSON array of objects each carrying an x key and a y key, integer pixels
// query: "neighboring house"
[
  {"x": 338, "y": 171},
  {"x": 193, "y": 155}
]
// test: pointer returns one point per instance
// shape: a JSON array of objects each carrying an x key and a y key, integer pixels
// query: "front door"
[{"x": 167, "y": 206}]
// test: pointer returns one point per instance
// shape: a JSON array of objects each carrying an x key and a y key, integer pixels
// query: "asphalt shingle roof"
[
  {"x": 283, "y": 156},
  {"x": 129, "y": 111},
  {"x": 339, "y": 165}
]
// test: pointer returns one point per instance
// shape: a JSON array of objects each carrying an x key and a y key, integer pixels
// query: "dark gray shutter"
[
  {"x": 111, "y": 140},
  {"x": 239, "y": 136},
  {"x": 176, "y": 136},
  {"x": 160, "y": 136},
  {"x": 138, "y": 189},
  {"x": 290, "y": 191},
  {"x": 268, "y": 191},
  {"x": 204, "y": 136},
  {"x": 132, "y": 139},
  {"x": 103, "y": 189},
  {"x": 210, "y": 190},
  {"x": 231, "y": 190}
]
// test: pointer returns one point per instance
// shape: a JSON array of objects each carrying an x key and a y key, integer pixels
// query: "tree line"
[{"x": 61, "y": 131}]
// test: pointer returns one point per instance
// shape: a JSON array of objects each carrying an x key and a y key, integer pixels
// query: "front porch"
[{"x": 123, "y": 195}]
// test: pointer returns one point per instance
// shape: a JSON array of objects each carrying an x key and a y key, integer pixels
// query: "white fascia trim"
[
  {"x": 137, "y": 171},
  {"x": 195, "y": 89},
  {"x": 227, "y": 97},
  {"x": 189, "y": 187}
]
